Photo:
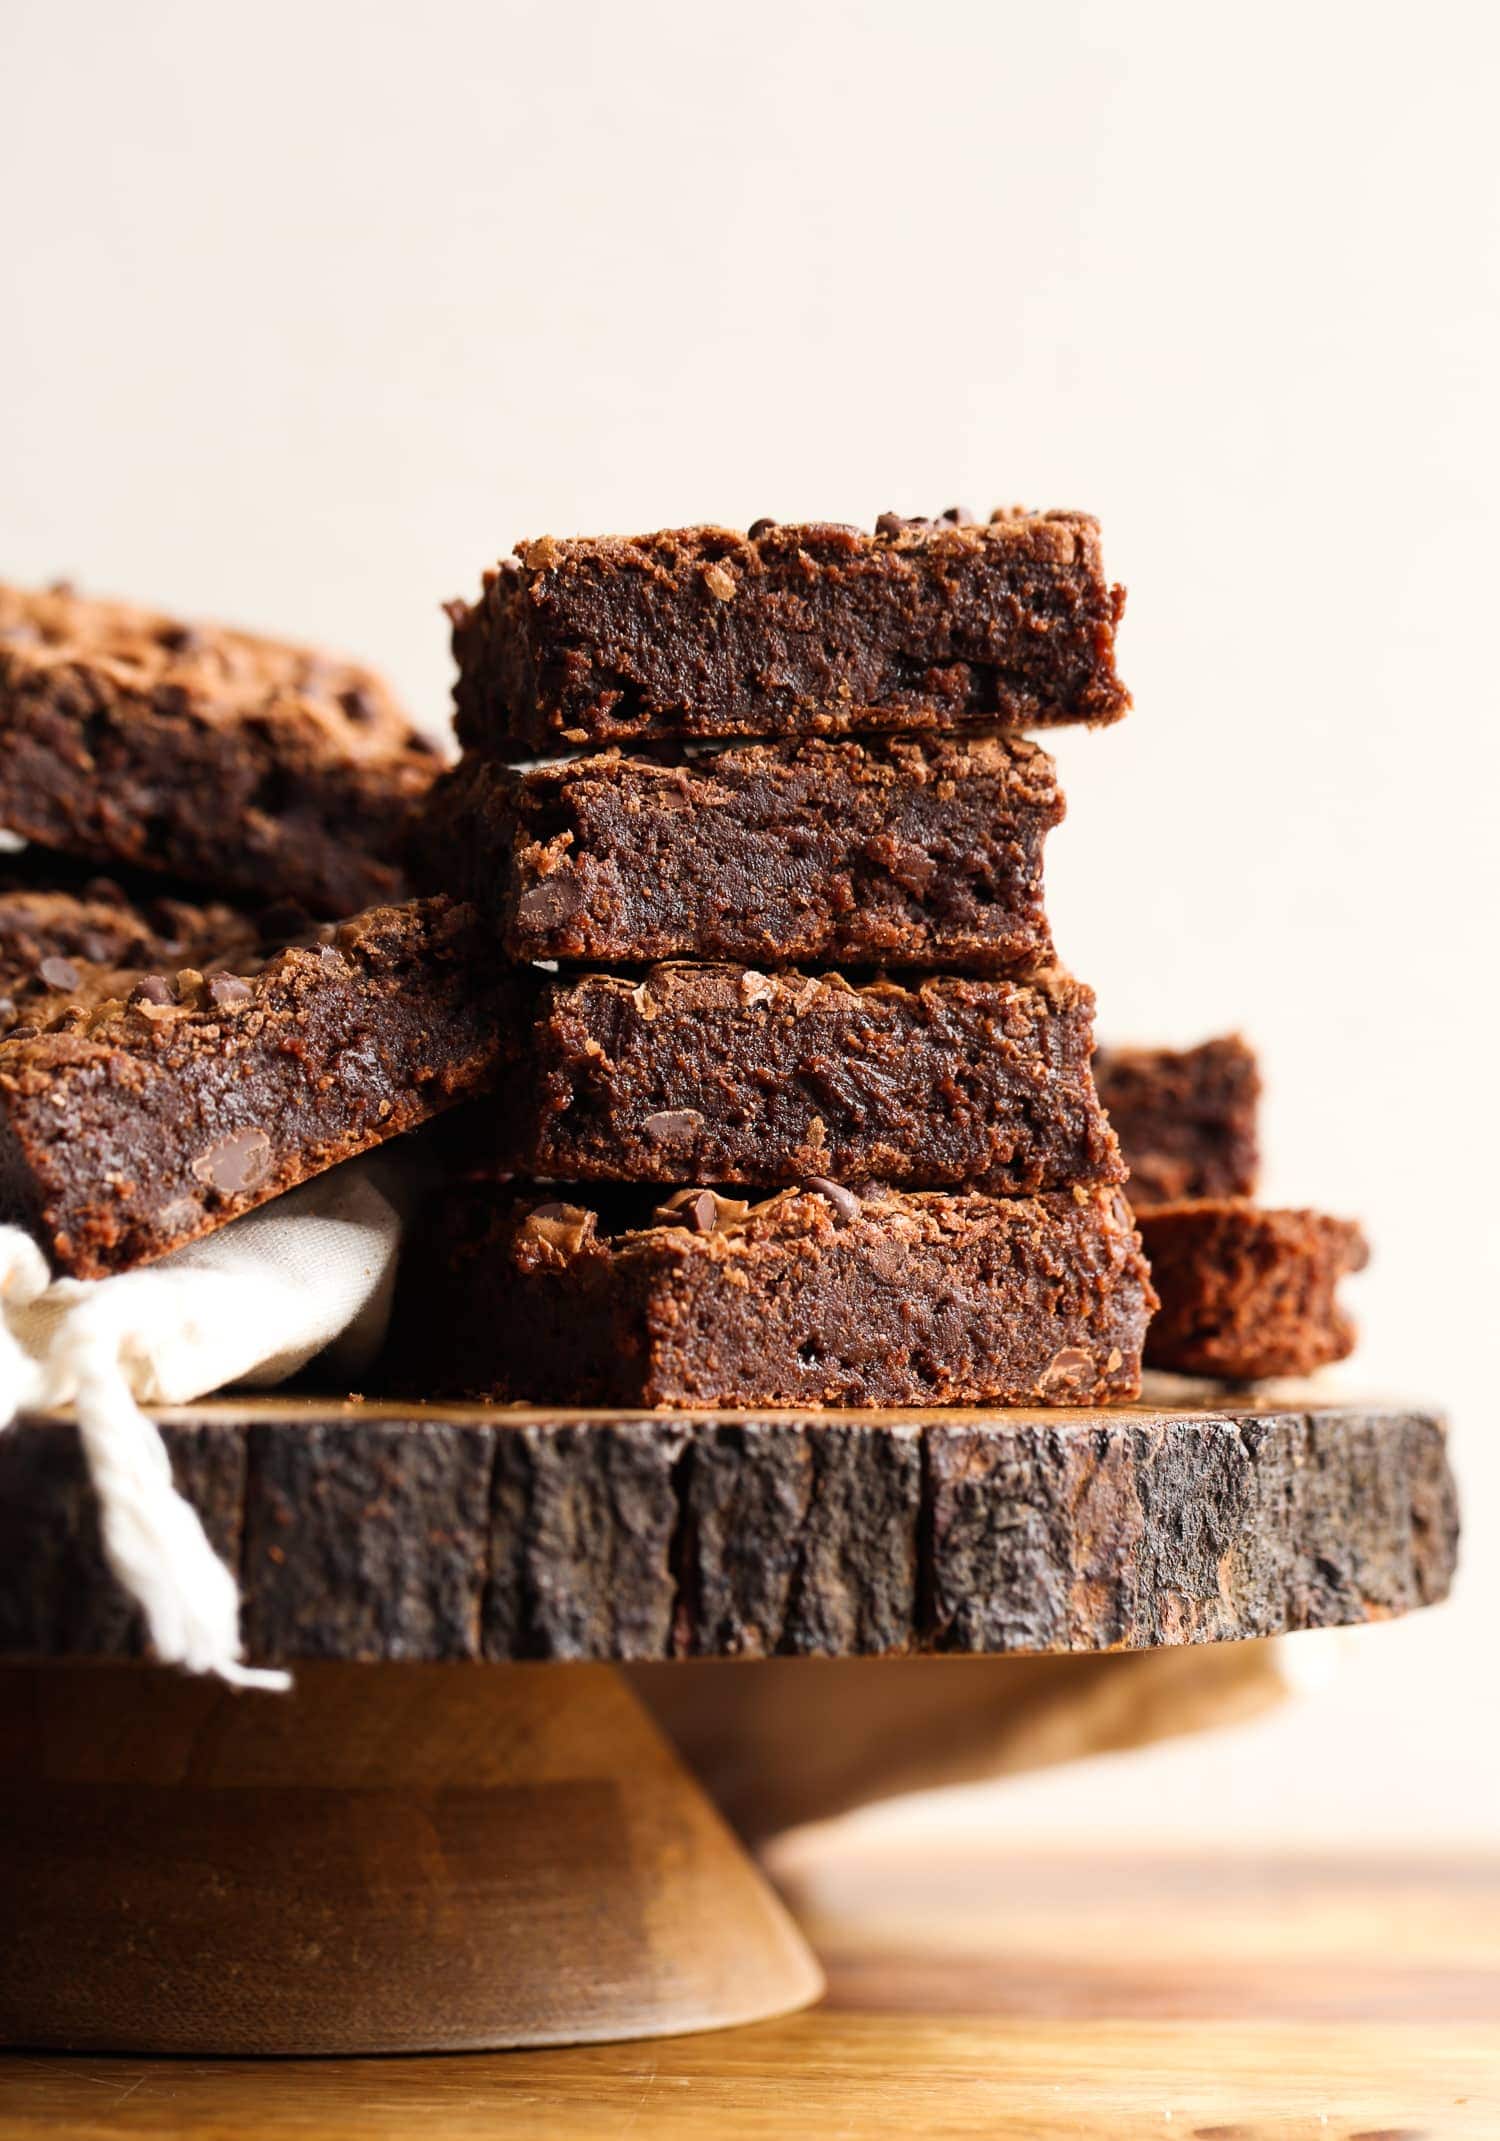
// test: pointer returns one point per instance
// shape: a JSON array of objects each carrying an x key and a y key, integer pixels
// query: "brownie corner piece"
[
  {"x": 1186, "y": 1118},
  {"x": 816, "y": 1297},
  {"x": 790, "y": 629},
  {"x": 131, "y": 1126},
  {"x": 1247, "y": 1291},
  {"x": 264, "y": 770}
]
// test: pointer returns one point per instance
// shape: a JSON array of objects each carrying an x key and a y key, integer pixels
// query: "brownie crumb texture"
[
  {"x": 730, "y": 1074},
  {"x": 790, "y": 630},
  {"x": 819, "y": 1295},
  {"x": 132, "y": 1125},
  {"x": 1248, "y": 1292},
  {"x": 258, "y": 769},
  {"x": 1186, "y": 1118},
  {"x": 890, "y": 851}
]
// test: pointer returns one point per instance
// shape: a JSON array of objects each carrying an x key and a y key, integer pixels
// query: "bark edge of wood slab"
[
  {"x": 367, "y": 1531},
  {"x": 418, "y": 1858}
]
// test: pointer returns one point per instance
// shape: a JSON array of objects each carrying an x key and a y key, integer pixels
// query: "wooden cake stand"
[{"x": 463, "y": 1829}]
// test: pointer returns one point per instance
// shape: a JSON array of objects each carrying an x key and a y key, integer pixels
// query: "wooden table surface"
[{"x": 991, "y": 1990}]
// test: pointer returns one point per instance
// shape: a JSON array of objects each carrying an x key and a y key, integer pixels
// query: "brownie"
[
  {"x": 898, "y": 851},
  {"x": 130, "y": 1127},
  {"x": 1185, "y": 1118},
  {"x": 71, "y": 945},
  {"x": 261, "y": 770},
  {"x": 725, "y": 1074},
  {"x": 790, "y": 630},
  {"x": 1247, "y": 1292},
  {"x": 817, "y": 1297}
]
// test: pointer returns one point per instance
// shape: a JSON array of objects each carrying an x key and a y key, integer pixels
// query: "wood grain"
[
  {"x": 984, "y": 1989},
  {"x": 389, "y": 1859},
  {"x": 365, "y": 1532}
]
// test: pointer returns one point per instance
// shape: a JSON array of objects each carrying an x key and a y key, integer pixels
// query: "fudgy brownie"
[
  {"x": 261, "y": 770},
  {"x": 130, "y": 1127},
  {"x": 58, "y": 945},
  {"x": 1185, "y": 1118},
  {"x": 1247, "y": 1292},
  {"x": 817, "y": 1297},
  {"x": 790, "y": 630},
  {"x": 895, "y": 851},
  {"x": 725, "y": 1074}
]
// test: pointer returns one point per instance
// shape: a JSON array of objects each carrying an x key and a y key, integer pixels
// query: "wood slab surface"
[
  {"x": 363, "y": 1530},
  {"x": 977, "y": 1987}
]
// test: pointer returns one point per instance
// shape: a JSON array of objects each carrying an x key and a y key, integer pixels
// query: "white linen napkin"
[{"x": 250, "y": 1304}]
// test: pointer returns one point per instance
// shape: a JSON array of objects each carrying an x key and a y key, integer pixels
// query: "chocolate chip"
[
  {"x": 181, "y": 639},
  {"x": 702, "y": 1211},
  {"x": 59, "y": 973},
  {"x": 758, "y": 528},
  {"x": 23, "y": 1033},
  {"x": 556, "y": 899},
  {"x": 97, "y": 949},
  {"x": 890, "y": 524},
  {"x": 958, "y": 516},
  {"x": 1066, "y": 1367},
  {"x": 360, "y": 705},
  {"x": 673, "y": 1122},
  {"x": 845, "y": 1201},
  {"x": 152, "y": 989},
  {"x": 228, "y": 991},
  {"x": 66, "y": 588},
  {"x": 236, "y": 1163}
]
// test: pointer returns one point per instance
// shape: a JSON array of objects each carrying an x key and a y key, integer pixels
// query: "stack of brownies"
[
  {"x": 801, "y": 1108},
  {"x": 1246, "y": 1290}
]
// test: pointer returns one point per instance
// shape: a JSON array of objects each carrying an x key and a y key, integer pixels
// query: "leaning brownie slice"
[
  {"x": 726, "y": 1074},
  {"x": 790, "y": 631},
  {"x": 817, "y": 1297},
  {"x": 130, "y": 1127},
  {"x": 265, "y": 771},
  {"x": 1247, "y": 1292},
  {"x": 895, "y": 851},
  {"x": 1185, "y": 1118},
  {"x": 71, "y": 944}
]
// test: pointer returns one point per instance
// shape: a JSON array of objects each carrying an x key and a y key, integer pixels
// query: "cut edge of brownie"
[
  {"x": 817, "y": 1296},
  {"x": 1248, "y": 1291},
  {"x": 132, "y": 1127},
  {"x": 727, "y": 1074},
  {"x": 898, "y": 851},
  {"x": 1186, "y": 1118},
  {"x": 792, "y": 628}
]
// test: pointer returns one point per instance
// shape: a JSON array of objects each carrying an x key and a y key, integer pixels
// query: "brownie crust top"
[
  {"x": 332, "y": 708},
  {"x": 251, "y": 767}
]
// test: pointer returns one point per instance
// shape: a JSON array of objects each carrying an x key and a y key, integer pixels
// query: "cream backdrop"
[{"x": 311, "y": 310}]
